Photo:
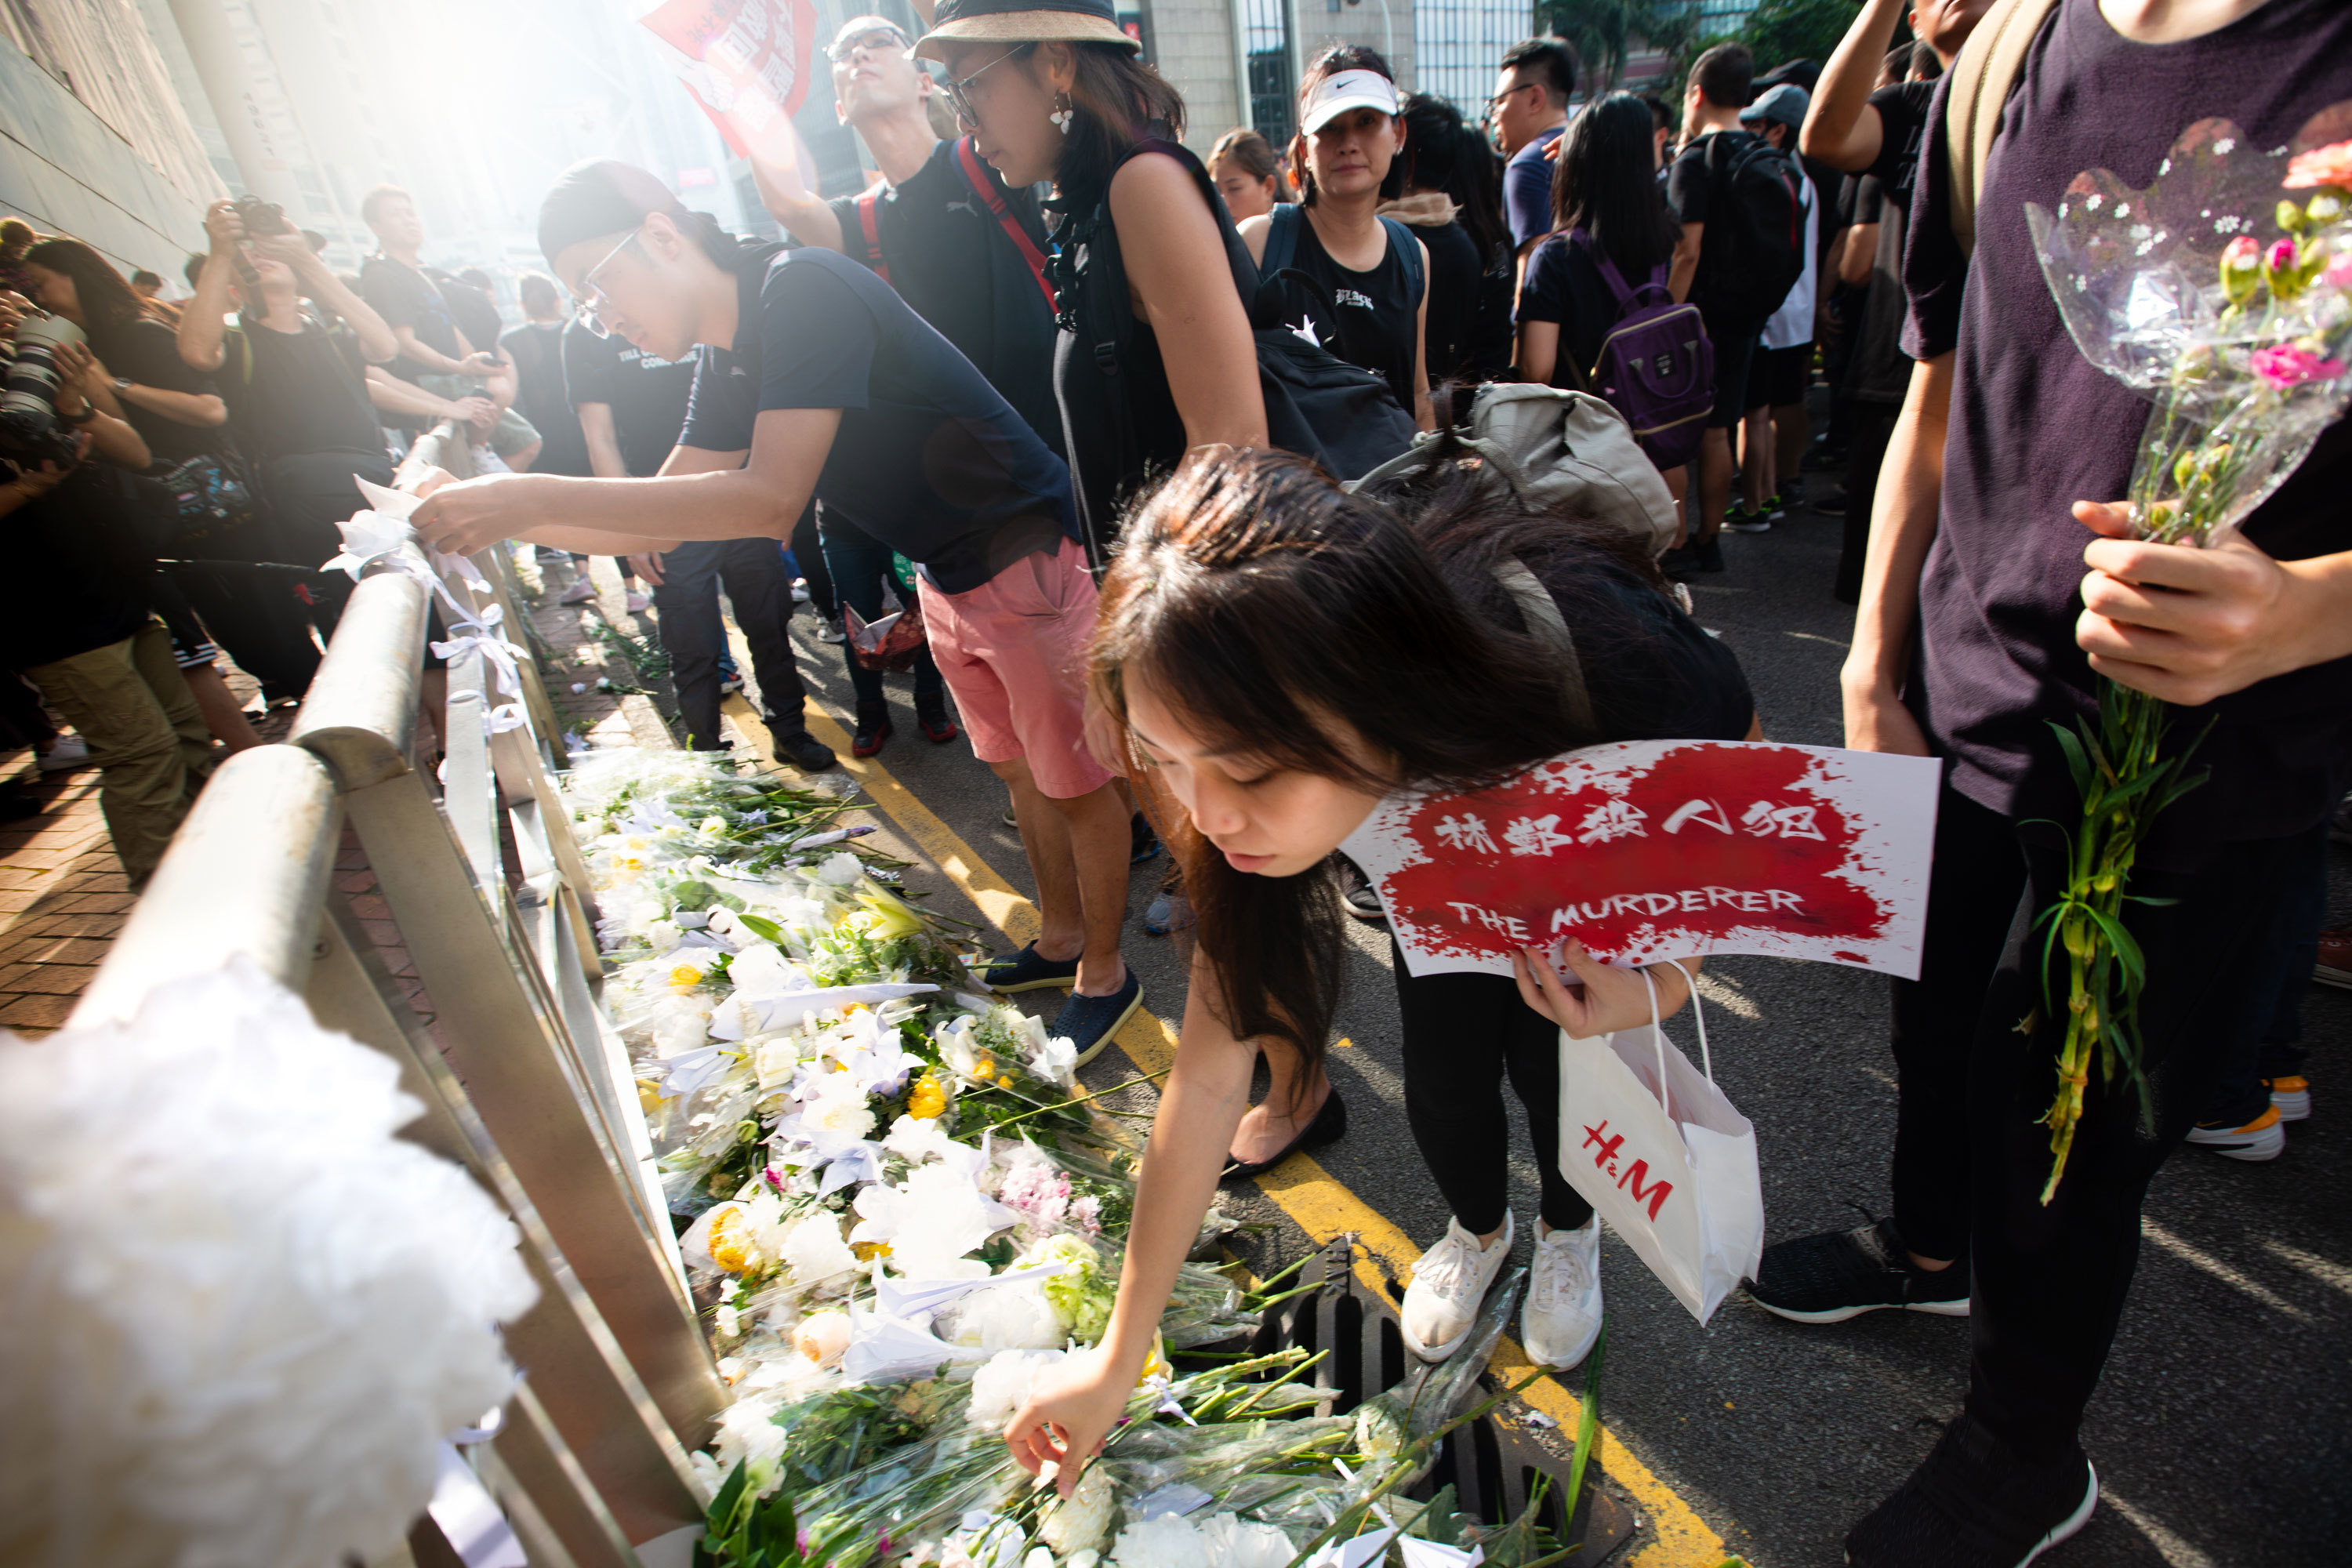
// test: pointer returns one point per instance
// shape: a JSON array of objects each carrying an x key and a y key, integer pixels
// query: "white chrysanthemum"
[
  {"x": 915, "y": 1139},
  {"x": 1171, "y": 1540},
  {"x": 815, "y": 1253},
  {"x": 1006, "y": 1316},
  {"x": 1002, "y": 1385},
  {"x": 1233, "y": 1541},
  {"x": 1081, "y": 1521},
  {"x": 839, "y": 869},
  {"x": 838, "y": 1105},
  {"x": 241, "y": 1315}
]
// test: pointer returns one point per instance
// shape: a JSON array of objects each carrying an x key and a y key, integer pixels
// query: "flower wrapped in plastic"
[{"x": 2223, "y": 293}]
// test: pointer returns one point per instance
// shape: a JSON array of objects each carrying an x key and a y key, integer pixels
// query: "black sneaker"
[
  {"x": 1975, "y": 1502},
  {"x": 1698, "y": 555},
  {"x": 1029, "y": 970},
  {"x": 1832, "y": 504},
  {"x": 805, "y": 751},
  {"x": 873, "y": 731},
  {"x": 1838, "y": 1274},
  {"x": 1089, "y": 1022}
]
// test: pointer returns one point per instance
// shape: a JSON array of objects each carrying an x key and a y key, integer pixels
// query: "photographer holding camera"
[
  {"x": 86, "y": 634},
  {"x": 204, "y": 511},
  {"x": 297, "y": 388}
]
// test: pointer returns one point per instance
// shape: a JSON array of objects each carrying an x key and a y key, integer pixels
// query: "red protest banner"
[
  {"x": 1658, "y": 850},
  {"x": 747, "y": 62}
]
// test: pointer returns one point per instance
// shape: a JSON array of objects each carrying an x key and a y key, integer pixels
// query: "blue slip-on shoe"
[
  {"x": 1089, "y": 1022},
  {"x": 1026, "y": 971}
]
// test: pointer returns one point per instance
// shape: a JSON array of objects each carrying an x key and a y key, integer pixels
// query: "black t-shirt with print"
[
  {"x": 299, "y": 392},
  {"x": 2034, "y": 427},
  {"x": 950, "y": 259},
  {"x": 929, "y": 457},
  {"x": 404, "y": 297},
  {"x": 646, "y": 393}
]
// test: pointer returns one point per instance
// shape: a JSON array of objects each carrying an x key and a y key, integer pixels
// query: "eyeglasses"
[
  {"x": 587, "y": 306},
  {"x": 959, "y": 92},
  {"x": 874, "y": 40},
  {"x": 1504, "y": 97}
]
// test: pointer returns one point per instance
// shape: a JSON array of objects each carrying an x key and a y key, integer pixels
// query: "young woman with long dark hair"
[
  {"x": 1278, "y": 655},
  {"x": 1058, "y": 95},
  {"x": 1453, "y": 201},
  {"x": 1607, "y": 193},
  {"x": 1350, "y": 134}
]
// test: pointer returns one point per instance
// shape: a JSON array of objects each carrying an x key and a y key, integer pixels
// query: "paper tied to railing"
[
  {"x": 1655, "y": 849},
  {"x": 376, "y": 533},
  {"x": 482, "y": 636},
  {"x": 747, "y": 62}
]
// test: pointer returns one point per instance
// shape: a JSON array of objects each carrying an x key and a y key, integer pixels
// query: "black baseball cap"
[{"x": 597, "y": 197}]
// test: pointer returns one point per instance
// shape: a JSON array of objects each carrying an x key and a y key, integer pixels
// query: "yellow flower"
[
  {"x": 985, "y": 1067},
  {"x": 929, "y": 1099},
  {"x": 867, "y": 1251},
  {"x": 685, "y": 976},
  {"x": 649, "y": 1094},
  {"x": 1004, "y": 1080},
  {"x": 892, "y": 916},
  {"x": 730, "y": 1245}
]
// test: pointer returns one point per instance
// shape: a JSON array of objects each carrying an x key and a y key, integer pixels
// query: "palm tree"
[{"x": 1600, "y": 30}]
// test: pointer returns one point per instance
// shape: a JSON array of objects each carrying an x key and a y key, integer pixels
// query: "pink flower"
[
  {"x": 2242, "y": 251},
  {"x": 2340, "y": 273},
  {"x": 2282, "y": 257},
  {"x": 2330, "y": 165},
  {"x": 2291, "y": 365}
]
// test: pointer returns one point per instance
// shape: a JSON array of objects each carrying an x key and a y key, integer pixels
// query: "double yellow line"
[{"x": 1317, "y": 1202}]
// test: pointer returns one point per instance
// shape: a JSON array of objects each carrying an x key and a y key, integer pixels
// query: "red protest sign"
[
  {"x": 746, "y": 62},
  {"x": 1655, "y": 849}
]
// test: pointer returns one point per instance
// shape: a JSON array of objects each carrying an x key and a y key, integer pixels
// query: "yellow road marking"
[{"x": 1316, "y": 1201}]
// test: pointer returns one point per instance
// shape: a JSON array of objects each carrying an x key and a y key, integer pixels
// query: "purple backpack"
[{"x": 1655, "y": 366}]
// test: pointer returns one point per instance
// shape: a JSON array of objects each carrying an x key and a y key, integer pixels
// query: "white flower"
[
  {"x": 1171, "y": 1540},
  {"x": 1000, "y": 1387},
  {"x": 1081, "y": 1521},
  {"x": 823, "y": 1336},
  {"x": 1056, "y": 1061},
  {"x": 815, "y": 1252},
  {"x": 250, "y": 1345},
  {"x": 748, "y": 1430},
  {"x": 774, "y": 1060},
  {"x": 1006, "y": 1316},
  {"x": 843, "y": 1112},
  {"x": 933, "y": 1221},
  {"x": 839, "y": 869},
  {"x": 1235, "y": 1542}
]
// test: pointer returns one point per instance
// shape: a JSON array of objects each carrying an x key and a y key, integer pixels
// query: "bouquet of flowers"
[{"x": 2224, "y": 293}]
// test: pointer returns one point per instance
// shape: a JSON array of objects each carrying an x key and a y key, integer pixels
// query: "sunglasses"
[
  {"x": 874, "y": 41},
  {"x": 959, "y": 92},
  {"x": 589, "y": 305}
]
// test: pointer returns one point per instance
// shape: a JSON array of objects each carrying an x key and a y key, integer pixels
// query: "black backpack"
[
  {"x": 1754, "y": 249},
  {"x": 1317, "y": 404}
]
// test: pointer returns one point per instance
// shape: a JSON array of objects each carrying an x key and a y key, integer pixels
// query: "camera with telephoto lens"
[
  {"x": 261, "y": 217},
  {"x": 31, "y": 432}
]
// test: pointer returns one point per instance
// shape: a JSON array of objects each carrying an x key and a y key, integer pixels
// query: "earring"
[{"x": 1061, "y": 115}]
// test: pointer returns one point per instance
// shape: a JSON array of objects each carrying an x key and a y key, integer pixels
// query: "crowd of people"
[{"x": 1080, "y": 404}]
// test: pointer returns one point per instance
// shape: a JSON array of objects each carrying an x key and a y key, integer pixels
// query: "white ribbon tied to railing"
[{"x": 482, "y": 636}]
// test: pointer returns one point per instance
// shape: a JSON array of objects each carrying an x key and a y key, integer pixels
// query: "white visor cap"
[{"x": 1343, "y": 91}]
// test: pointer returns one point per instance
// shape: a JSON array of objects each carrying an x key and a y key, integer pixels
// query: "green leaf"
[
  {"x": 2077, "y": 763},
  {"x": 763, "y": 928},
  {"x": 2124, "y": 945}
]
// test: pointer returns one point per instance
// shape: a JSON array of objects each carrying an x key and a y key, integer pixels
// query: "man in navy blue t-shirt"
[{"x": 815, "y": 380}]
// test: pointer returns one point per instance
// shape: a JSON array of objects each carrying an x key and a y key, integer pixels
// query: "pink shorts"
[{"x": 1014, "y": 651}]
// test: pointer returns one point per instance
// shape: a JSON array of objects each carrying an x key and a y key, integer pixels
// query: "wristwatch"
[{"x": 122, "y": 383}]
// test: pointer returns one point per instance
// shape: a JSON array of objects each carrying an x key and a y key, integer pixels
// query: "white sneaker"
[
  {"x": 830, "y": 631},
  {"x": 2259, "y": 1140},
  {"x": 1448, "y": 1283},
  {"x": 71, "y": 751},
  {"x": 1562, "y": 1319},
  {"x": 800, "y": 591},
  {"x": 580, "y": 593},
  {"x": 638, "y": 604}
]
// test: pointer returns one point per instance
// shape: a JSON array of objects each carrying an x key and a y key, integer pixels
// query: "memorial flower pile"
[
  {"x": 2223, "y": 293},
  {"x": 898, "y": 1213}
]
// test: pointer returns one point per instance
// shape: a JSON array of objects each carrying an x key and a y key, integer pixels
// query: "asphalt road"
[{"x": 2223, "y": 1432}]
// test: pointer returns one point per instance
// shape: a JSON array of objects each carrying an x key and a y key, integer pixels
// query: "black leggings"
[{"x": 1461, "y": 1032}]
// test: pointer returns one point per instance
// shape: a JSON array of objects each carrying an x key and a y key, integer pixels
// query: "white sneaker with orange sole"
[{"x": 2261, "y": 1139}]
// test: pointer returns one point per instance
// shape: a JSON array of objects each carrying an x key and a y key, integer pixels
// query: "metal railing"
[{"x": 523, "y": 1080}]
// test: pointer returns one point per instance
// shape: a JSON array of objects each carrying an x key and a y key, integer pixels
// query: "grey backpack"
[{"x": 1559, "y": 451}]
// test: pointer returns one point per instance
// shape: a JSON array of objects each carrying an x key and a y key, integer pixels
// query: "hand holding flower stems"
[{"x": 2245, "y": 371}]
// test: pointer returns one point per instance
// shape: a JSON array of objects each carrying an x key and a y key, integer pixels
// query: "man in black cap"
[{"x": 814, "y": 379}]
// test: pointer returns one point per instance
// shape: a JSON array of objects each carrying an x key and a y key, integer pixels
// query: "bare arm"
[
  {"x": 1539, "y": 351},
  {"x": 433, "y": 359},
  {"x": 1902, "y": 527},
  {"x": 201, "y": 409},
  {"x": 1176, "y": 264},
  {"x": 389, "y": 395},
  {"x": 1685, "y": 266},
  {"x": 759, "y": 500},
  {"x": 494, "y": 365},
  {"x": 1861, "y": 249},
  {"x": 1841, "y": 127},
  {"x": 1200, "y": 1106},
  {"x": 78, "y": 386},
  {"x": 201, "y": 326},
  {"x": 1422, "y": 413},
  {"x": 377, "y": 344},
  {"x": 776, "y": 171},
  {"x": 603, "y": 441}
]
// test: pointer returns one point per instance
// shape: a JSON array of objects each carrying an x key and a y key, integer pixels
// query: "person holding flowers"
[
  {"x": 2140, "y": 679},
  {"x": 1275, "y": 656}
]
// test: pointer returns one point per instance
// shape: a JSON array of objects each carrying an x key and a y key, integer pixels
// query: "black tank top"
[{"x": 1379, "y": 325}]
